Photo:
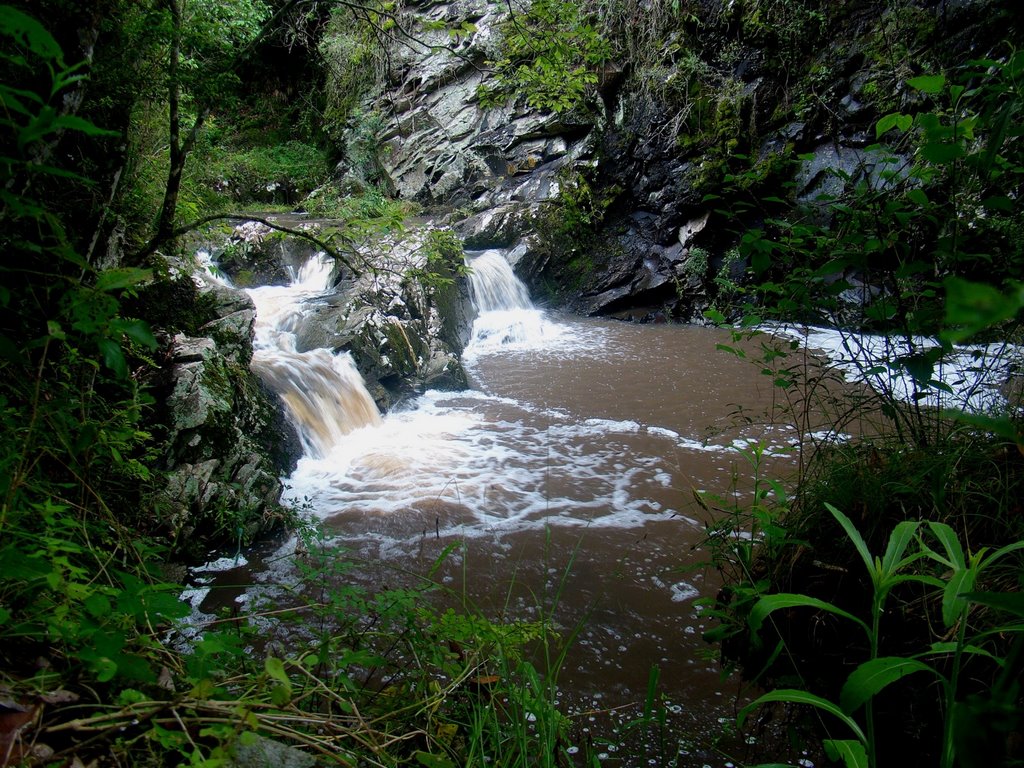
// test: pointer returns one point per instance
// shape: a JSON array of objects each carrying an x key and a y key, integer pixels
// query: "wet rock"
[
  {"x": 226, "y": 440},
  {"x": 692, "y": 228},
  {"x": 404, "y": 328},
  {"x": 442, "y": 147},
  {"x": 234, "y": 333},
  {"x": 253, "y": 751},
  {"x": 497, "y": 227},
  {"x": 833, "y": 168}
]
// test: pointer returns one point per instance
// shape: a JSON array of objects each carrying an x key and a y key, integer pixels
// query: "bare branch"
[{"x": 335, "y": 254}]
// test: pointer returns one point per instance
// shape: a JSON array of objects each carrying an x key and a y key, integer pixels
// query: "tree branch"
[{"x": 155, "y": 243}]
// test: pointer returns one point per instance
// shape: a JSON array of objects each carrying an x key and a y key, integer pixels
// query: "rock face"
[
  {"x": 226, "y": 442},
  {"x": 725, "y": 106},
  {"x": 440, "y": 146},
  {"x": 405, "y": 323}
]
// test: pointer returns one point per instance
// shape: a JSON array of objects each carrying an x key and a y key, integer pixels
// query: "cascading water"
[
  {"x": 579, "y": 443},
  {"x": 505, "y": 314},
  {"x": 323, "y": 392}
]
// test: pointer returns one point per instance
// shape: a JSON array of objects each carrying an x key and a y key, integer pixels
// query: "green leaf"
[
  {"x": 890, "y": 121},
  {"x": 930, "y": 84},
  {"x": 1011, "y": 602},
  {"x": 715, "y": 316},
  {"x": 73, "y": 123},
  {"x": 280, "y": 695},
  {"x": 275, "y": 669},
  {"x": 1003, "y": 427},
  {"x": 29, "y": 33},
  {"x": 854, "y": 536},
  {"x": 950, "y": 647},
  {"x": 852, "y": 753},
  {"x": 794, "y": 696},
  {"x": 431, "y": 760},
  {"x": 97, "y": 605},
  {"x": 118, "y": 279},
  {"x": 941, "y": 153},
  {"x": 953, "y": 603},
  {"x": 113, "y": 357},
  {"x": 130, "y": 696},
  {"x": 771, "y": 603},
  {"x": 138, "y": 331},
  {"x": 1002, "y": 552},
  {"x": 105, "y": 669},
  {"x": 874, "y": 675},
  {"x": 951, "y": 543},
  {"x": 918, "y": 197},
  {"x": 998, "y": 203},
  {"x": 899, "y": 540},
  {"x": 972, "y": 307}
]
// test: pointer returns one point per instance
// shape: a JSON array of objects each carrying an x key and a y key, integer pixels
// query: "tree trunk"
[{"x": 165, "y": 224}]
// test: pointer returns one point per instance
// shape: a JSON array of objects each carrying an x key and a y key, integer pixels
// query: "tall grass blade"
[
  {"x": 854, "y": 535},
  {"x": 795, "y": 696},
  {"x": 851, "y": 752},
  {"x": 1011, "y": 602},
  {"x": 874, "y": 675},
  {"x": 953, "y": 602},
  {"x": 770, "y": 603}
]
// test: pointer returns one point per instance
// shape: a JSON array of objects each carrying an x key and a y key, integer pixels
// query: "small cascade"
[
  {"x": 505, "y": 315},
  {"x": 209, "y": 271},
  {"x": 323, "y": 392},
  {"x": 495, "y": 286}
]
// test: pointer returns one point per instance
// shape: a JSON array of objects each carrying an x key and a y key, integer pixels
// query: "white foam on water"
[
  {"x": 477, "y": 465},
  {"x": 969, "y": 377},
  {"x": 681, "y": 592},
  {"x": 507, "y": 322},
  {"x": 221, "y": 564}
]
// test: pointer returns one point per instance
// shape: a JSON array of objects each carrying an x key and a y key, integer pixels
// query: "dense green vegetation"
[
  {"x": 126, "y": 123},
  {"x": 88, "y": 673}
]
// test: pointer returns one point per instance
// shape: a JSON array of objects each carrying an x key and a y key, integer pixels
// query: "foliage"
[
  {"x": 902, "y": 251},
  {"x": 76, "y": 588},
  {"x": 282, "y": 173},
  {"x": 739, "y": 529},
  {"x": 354, "y": 204},
  {"x": 899, "y": 39},
  {"x": 882, "y": 256},
  {"x": 914, "y": 554},
  {"x": 355, "y": 63},
  {"x": 551, "y": 57},
  {"x": 790, "y": 27}
]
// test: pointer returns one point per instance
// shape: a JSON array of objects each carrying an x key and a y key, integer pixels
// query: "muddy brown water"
[{"x": 566, "y": 474}]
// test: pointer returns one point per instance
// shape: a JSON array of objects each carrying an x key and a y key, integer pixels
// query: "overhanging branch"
[{"x": 335, "y": 254}]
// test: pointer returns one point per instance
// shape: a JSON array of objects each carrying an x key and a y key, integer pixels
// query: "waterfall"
[
  {"x": 495, "y": 286},
  {"x": 323, "y": 392},
  {"x": 505, "y": 315}
]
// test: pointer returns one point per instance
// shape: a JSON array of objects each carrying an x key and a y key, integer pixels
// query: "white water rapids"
[
  {"x": 323, "y": 392},
  {"x": 567, "y": 469}
]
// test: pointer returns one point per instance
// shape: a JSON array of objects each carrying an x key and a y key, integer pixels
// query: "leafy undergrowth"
[
  {"x": 334, "y": 673},
  {"x": 885, "y": 597}
]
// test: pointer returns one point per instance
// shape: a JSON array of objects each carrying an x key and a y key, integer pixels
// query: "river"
[{"x": 566, "y": 473}]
